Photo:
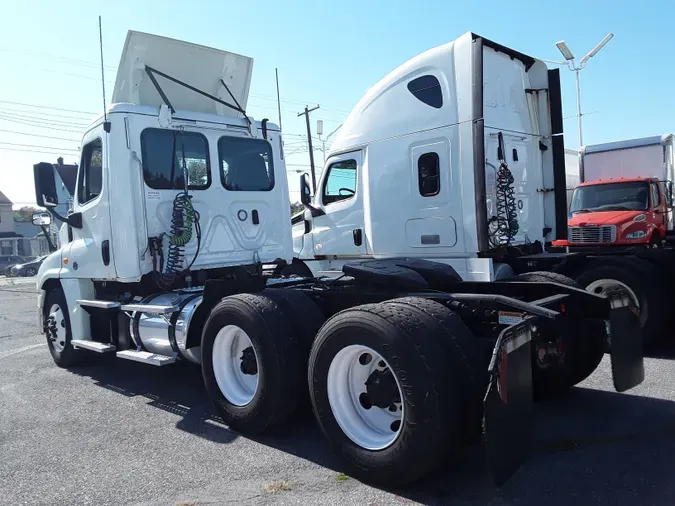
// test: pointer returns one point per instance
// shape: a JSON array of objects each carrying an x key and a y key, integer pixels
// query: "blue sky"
[{"x": 327, "y": 52}]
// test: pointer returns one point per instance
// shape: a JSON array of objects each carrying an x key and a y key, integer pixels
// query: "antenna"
[
  {"x": 106, "y": 124},
  {"x": 276, "y": 71}
]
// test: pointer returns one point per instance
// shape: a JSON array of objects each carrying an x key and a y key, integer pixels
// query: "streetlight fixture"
[{"x": 569, "y": 61}]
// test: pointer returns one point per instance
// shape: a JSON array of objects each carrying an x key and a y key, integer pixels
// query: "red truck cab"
[{"x": 622, "y": 211}]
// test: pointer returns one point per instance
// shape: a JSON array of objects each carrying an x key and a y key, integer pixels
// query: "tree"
[{"x": 25, "y": 214}]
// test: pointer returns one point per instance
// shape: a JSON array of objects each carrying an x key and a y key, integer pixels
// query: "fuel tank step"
[
  {"x": 146, "y": 357},
  {"x": 149, "y": 308},
  {"x": 99, "y": 304},
  {"x": 92, "y": 346}
]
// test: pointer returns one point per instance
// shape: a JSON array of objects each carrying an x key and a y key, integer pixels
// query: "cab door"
[
  {"x": 659, "y": 214},
  {"x": 89, "y": 253},
  {"x": 340, "y": 231}
]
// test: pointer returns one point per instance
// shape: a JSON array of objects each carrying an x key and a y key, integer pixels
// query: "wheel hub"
[
  {"x": 381, "y": 389},
  {"x": 249, "y": 364}
]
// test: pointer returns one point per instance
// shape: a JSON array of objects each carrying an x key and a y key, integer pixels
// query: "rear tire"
[
  {"x": 468, "y": 369},
  {"x": 583, "y": 351},
  {"x": 248, "y": 336},
  {"x": 429, "y": 426},
  {"x": 641, "y": 278}
]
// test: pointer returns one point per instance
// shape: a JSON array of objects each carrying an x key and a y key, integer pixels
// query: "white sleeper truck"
[{"x": 180, "y": 249}]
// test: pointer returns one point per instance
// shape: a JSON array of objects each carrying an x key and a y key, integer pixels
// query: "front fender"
[{"x": 50, "y": 269}]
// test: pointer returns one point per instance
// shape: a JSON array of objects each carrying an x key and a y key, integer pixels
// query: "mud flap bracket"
[{"x": 508, "y": 404}]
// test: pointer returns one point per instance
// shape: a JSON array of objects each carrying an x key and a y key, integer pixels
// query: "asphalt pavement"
[{"x": 126, "y": 433}]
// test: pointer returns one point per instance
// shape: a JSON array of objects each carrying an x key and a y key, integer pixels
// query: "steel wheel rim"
[
  {"x": 600, "y": 286},
  {"x": 375, "y": 428},
  {"x": 57, "y": 333},
  {"x": 237, "y": 387}
]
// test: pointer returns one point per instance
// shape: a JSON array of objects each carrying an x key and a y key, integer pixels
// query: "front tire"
[
  {"x": 251, "y": 363},
  {"x": 58, "y": 331},
  {"x": 383, "y": 394}
]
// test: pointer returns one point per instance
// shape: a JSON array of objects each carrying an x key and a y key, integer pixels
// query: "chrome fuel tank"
[{"x": 167, "y": 334}]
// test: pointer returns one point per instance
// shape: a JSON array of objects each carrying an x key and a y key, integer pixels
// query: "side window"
[
  {"x": 340, "y": 184},
  {"x": 164, "y": 152},
  {"x": 428, "y": 90},
  {"x": 429, "y": 174},
  {"x": 246, "y": 164},
  {"x": 656, "y": 195},
  {"x": 90, "y": 179}
]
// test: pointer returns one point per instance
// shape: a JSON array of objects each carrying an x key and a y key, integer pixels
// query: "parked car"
[
  {"x": 27, "y": 268},
  {"x": 9, "y": 261}
]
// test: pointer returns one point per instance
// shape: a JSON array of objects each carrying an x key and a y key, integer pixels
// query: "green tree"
[{"x": 25, "y": 214}]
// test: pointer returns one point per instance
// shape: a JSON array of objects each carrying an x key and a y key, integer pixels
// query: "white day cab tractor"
[{"x": 182, "y": 202}]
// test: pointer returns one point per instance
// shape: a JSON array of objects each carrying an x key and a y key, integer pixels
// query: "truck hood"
[{"x": 597, "y": 218}]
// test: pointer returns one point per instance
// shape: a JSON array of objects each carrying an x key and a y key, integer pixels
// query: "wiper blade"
[{"x": 581, "y": 211}]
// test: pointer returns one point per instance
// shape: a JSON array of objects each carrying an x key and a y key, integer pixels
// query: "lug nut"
[{"x": 365, "y": 401}]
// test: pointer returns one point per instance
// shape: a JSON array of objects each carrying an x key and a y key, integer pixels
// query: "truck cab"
[
  {"x": 176, "y": 182},
  {"x": 621, "y": 211},
  {"x": 452, "y": 157}
]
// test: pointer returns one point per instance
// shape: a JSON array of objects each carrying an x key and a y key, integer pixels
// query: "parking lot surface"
[{"x": 126, "y": 433}]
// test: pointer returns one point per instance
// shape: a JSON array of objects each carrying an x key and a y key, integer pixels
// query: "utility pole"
[{"x": 309, "y": 140}]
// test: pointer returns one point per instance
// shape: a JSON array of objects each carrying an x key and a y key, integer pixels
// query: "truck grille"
[{"x": 605, "y": 233}]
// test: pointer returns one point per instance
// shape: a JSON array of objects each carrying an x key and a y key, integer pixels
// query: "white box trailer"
[{"x": 643, "y": 157}]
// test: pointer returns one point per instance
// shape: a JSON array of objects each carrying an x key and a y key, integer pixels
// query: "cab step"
[
  {"x": 99, "y": 304},
  {"x": 149, "y": 308},
  {"x": 146, "y": 357},
  {"x": 92, "y": 346}
]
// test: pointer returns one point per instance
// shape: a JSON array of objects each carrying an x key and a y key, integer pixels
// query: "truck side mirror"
[
  {"x": 45, "y": 185},
  {"x": 305, "y": 192},
  {"x": 42, "y": 219},
  {"x": 306, "y": 197}
]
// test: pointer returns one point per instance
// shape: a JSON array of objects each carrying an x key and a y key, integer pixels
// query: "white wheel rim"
[
  {"x": 600, "y": 286},
  {"x": 375, "y": 428},
  {"x": 237, "y": 387},
  {"x": 57, "y": 333}
]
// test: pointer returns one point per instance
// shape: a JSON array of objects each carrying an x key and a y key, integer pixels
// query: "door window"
[
  {"x": 656, "y": 196},
  {"x": 90, "y": 179},
  {"x": 165, "y": 151},
  {"x": 340, "y": 183},
  {"x": 428, "y": 174}
]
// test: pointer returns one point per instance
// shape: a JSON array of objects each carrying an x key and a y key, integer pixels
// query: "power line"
[
  {"x": 72, "y": 61},
  {"x": 53, "y": 152},
  {"x": 44, "y": 113},
  {"x": 36, "y": 146},
  {"x": 37, "y": 135},
  {"x": 46, "y": 107},
  {"x": 23, "y": 122},
  {"x": 56, "y": 122}
]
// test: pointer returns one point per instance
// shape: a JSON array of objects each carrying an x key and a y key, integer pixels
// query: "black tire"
[
  {"x": 432, "y": 425},
  {"x": 467, "y": 367},
  {"x": 643, "y": 279},
  {"x": 305, "y": 316},
  {"x": 280, "y": 376},
  {"x": 584, "y": 350},
  {"x": 64, "y": 355}
]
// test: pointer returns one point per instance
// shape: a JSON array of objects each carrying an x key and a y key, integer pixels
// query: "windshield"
[{"x": 633, "y": 196}]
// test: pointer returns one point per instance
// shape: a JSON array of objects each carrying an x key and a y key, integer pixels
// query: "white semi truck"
[{"x": 180, "y": 248}]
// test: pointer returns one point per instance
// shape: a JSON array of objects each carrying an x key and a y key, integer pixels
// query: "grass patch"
[
  {"x": 278, "y": 486},
  {"x": 341, "y": 477}
]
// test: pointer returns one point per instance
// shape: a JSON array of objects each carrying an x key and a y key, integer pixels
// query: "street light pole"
[{"x": 570, "y": 62}]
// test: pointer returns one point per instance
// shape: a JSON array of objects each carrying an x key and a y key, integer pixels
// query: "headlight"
[
  {"x": 640, "y": 217},
  {"x": 639, "y": 234}
]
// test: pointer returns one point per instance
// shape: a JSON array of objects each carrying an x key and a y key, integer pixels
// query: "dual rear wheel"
[{"x": 396, "y": 387}]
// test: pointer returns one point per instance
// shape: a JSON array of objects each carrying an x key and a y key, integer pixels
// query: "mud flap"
[
  {"x": 625, "y": 340},
  {"x": 508, "y": 404}
]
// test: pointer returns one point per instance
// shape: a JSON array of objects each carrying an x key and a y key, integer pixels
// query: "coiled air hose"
[
  {"x": 183, "y": 217},
  {"x": 507, "y": 213}
]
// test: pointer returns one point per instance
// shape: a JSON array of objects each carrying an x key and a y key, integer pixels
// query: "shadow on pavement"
[{"x": 591, "y": 446}]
